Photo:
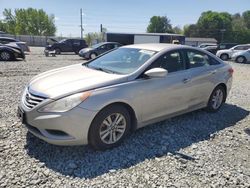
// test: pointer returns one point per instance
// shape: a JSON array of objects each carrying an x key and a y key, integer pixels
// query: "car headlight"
[{"x": 65, "y": 104}]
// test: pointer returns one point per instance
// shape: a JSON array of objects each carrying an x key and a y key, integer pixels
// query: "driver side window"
[{"x": 171, "y": 61}]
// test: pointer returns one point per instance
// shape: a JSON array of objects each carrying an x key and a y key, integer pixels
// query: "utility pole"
[
  {"x": 81, "y": 22},
  {"x": 222, "y": 34}
]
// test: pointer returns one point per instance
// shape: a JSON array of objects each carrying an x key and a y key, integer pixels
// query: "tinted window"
[
  {"x": 197, "y": 59},
  {"x": 239, "y": 48},
  {"x": 110, "y": 46},
  {"x": 172, "y": 61},
  {"x": 76, "y": 42}
]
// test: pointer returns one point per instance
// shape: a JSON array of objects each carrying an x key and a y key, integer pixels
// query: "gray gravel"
[{"x": 193, "y": 150}]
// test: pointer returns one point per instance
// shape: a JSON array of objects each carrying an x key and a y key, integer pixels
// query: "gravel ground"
[{"x": 193, "y": 150}]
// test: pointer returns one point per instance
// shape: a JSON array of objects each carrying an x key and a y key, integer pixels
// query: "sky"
[{"x": 123, "y": 15}]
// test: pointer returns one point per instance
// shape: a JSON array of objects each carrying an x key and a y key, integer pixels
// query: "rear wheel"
[
  {"x": 6, "y": 56},
  {"x": 224, "y": 57},
  {"x": 110, "y": 127},
  {"x": 216, "y": 99},
  {"x": 241, "y": 59}
]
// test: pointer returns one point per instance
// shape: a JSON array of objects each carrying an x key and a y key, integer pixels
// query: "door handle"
[{"x": 186, "y": 80}]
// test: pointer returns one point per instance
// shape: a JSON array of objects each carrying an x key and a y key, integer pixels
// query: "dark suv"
[{"x": 67, "y": 45}]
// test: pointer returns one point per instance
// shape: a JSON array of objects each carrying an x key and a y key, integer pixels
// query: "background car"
[
  {"x": 95, "y": 50},
  {"x": 102, "y": 101},
  {"x": 67, "y": 45},
  {"x": 10, "y": 52},
  {"x": 22, "y": 45},
  {"x": 227, "y": 54},
  {"x": 203, "y": 45},
  {"x": 212, "y": 49},
  {"x": 242, "y": 57}
]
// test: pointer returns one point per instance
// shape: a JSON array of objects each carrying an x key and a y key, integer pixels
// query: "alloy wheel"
[
  {"x": 112, "y": 128},
  {"x": 5, "y": 56},
  {"x": 217, "y": 99}
]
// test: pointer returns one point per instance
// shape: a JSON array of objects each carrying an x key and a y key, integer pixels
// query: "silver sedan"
[{"x": 102, "y": 101}]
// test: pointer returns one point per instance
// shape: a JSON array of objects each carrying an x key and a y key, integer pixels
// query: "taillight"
[{"x": 231, "y": 71}]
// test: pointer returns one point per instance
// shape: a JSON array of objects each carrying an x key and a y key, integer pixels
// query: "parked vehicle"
[
  {"x": 95, "y": 50},
  {"x": 227, "y": 54},
  {"x": 22, "y": 45},
  {"x": 10, "y": 52},
  {"x": 241, "y": 57},
  {"x": 223, "y": 46},
  {"x": 212, "y": 49},
  {"x": 67, "y": 45},
  {"x": 203, "y": 45},
  {"x": 100, "y": 102}
]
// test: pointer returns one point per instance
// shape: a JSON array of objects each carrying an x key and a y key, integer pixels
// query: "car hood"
[{"x": 71, "y": 79}]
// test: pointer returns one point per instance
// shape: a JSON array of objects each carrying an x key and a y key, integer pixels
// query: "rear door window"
[{"x": 197, "y": 59}]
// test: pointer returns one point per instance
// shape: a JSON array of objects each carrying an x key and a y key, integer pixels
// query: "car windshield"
[
  {"x": 97, "y": 45},
  {"x": 63, "y": 40},
  {"x": 121, "y": 60}
]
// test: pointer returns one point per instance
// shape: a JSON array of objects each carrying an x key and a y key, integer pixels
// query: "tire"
[
  {"x": 6, "y": 56},
  {"x": 57, "y": 51},
  {"x": 216, "y": 99},
  {"x": 103, "y": 133},
  {"x": 76, "y": 52},
  {"x": 224, "y": 57},
  {"x": 241, "y": 59},
  {"x": 92, "y": 56}
]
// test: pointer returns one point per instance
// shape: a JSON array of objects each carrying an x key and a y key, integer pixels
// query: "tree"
[
  {"x": 92, "y": 38},
  {"x": 2, "y": 26},
  {"x": 29, "y": 22},
  {"x": 191, "y": 30},
  {"x": 177, "y": 30},
  {"x": 159, "y": 24},
  {"x": 216, "y": 25},
  {"x": 246, "y": 18}
]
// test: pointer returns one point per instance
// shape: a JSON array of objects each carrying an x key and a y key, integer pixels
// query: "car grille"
[{"x": 31, "y": 100}]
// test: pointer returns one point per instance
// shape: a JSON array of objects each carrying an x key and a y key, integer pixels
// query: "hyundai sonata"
[{"x": 102, "y": 101}]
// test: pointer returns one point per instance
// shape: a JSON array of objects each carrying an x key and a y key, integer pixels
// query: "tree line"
[
  {"x": 28, "y": 22},
  {"x": 222, "y": 26}
]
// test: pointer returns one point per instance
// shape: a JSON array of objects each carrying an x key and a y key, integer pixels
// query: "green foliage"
[
  {"x": 92, "y": 38},
  {"x": 191, "y": 30},
  {"x": 177, "y": 30},
  {"x": 159, "y": 24},
  {"x": 29, "y": 22},
  {"x": 221, "y": 26},
  {"x": 212, "y": 24},
  {"x": 246, "y": 18}
]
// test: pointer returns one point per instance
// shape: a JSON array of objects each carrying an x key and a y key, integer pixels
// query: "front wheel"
[
  {"x": 92, "y": 55},
  {"x": 6, "y": 56},
  {"x": 216, "y": 99},
  {"x": 109, "y": 127},
  {"x": 224, "y": 57}
]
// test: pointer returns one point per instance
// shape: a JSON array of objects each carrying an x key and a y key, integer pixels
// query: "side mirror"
[{"x": 156, "y": 73}]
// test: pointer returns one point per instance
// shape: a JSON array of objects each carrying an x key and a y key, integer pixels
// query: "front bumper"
[
  {"x": 68, "y": 128},
  {"x": 84, "y": 55}
]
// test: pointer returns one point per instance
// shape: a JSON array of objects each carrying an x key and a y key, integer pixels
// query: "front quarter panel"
[{"x": 127, "y": 93}]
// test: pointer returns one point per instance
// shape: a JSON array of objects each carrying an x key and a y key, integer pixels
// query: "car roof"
[{"x": 157, "y": 46}]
